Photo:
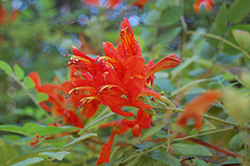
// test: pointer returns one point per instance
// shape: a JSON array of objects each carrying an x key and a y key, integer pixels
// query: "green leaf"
[
  {"x": 233, "y": 161},
  {"x": 96, "y": 122},
  {"x": 81, "y": 138},
  {"x": 32, "y": 128},
  {"x": 238, "y": 11},
  {"x": 163, "y": 4},
  {"x": 29, "y": 84},
  {"x": 213, "y": 30},
  {"x": 190, "y": 150},
  {"x": 145, "y": 161},
  {"x": 151, "y": 17},
  {"x": 7, "y": 153},
  {"x": 237, "y": 141},
  {"x": 221, "y": 19},
  {"x": 6, "y": 67},
  {"x": 12, "y": 128},
  {"x": 29, "y": 161},
  {"x": 160, "y": 157},
  {"x": 171, "y": 15},
  {"x": 242, "y": 38},
  {"x": 153, "y": 130},
  {"x": 18, "y": 72},
  {"x": 42, "y": 97},
  {"x": 183, "y": 65},
  {"x": 55, "y": 155},
  {"x": 168, "y": 36}
]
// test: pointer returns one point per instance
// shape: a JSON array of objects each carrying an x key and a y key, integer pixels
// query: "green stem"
[
  {"x": 221, "y": 39},
  {"x": 31, "y": 96},
  {"x": 178, "y": 139}
]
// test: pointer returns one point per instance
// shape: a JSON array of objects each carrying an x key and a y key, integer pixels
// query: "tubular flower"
[
  {"x": 106, "y": 150},
  {"x": 120, "y": 77},
  {"x": 197, "y": 106},
  {"x": 142, "y": 121},
  {"x": 206, "y": 3}
]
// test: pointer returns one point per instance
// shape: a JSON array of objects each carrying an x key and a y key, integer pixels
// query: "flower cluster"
[
  {"x": 116, "y": 80},
  {"x": 206, "y": 3}
]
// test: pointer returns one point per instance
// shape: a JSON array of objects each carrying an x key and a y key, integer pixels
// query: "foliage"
[{"x": 173, "y": 88}]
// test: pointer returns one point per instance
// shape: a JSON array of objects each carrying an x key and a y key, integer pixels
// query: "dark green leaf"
[
  {"x": 190, "y": 150},
  {"x": 145, "y": 161},
  {"x": 161, "y": 157},
  {"x": 171, "y": 15},
  {"x": 168, "y": 36},
  {"x": 153, "y": 130},
  {"x": 238, "y": 10},
  {"x": 55, "y": 155},
  {"x": 42, "y": 97},
  {"x": 6, "y": 67},
  {"x": 7, "y": 153},
  {"x": 213, "y": 30},
  {"x": 28, "y": 83},
  {"x": 221, "y": 19},
  {"x": 233, "y": 161},
  {"x": 163, "y": 4},
  {"x": 18, "y": 72},
  {"x": 81, "y": 138}
]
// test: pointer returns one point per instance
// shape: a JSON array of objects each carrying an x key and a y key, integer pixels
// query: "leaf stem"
[{"x": 221, "y": 39}]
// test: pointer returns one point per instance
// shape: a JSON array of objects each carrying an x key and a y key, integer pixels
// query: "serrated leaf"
[
  {"x": 151, "y": 17},
  {"x": 18, "y": 72},
  {"x": 6, "y": 67},
  {"x": 29, "y": 161},
  {"x": 7, "y": 153},
  {"x": 236, "y": 141},
  {"x": 96, "y": 122},
  {"x": 55, "y": 155},
  {"x": 12, "y": 128},
  {"x": 242, "y": 37},
  {"x": 28, "y": 83},
  {"x": 190, "y": 150},
  {"x": 241, "y": 7},
  {"x": 42, "y": 97},
  {"x": 153, "y": 130},
  {"x": 171, "y": 15},
  {"x": 81, "y": 138},
  {"x": 221, "y": 19}
]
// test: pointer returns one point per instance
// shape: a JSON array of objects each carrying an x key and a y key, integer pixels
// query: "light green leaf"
[
  {"x": 242, "y": 37},
  {"x": 7, "y": 153},
  {"x": 233, "y": 161},
  {"x": 81, "y": 138},
  {"x": 55, "y": 155},
  {"x": 32, "y": 128},
  {"x": 163, "y": 4},
  {"x": 221, "y": 19},
  {"x": 28, "y": 83},
  {"x": 153, "y": 130},
  {"x": 42, "y": 97},
  {"x": 168, "y": 36},
  {"x": 6, "y": 67},
  {"x": 151, "y": 17},
  {"x": 96, "y": 122},
  {"x": 171, "y": 15},
  {"x": 18, "y": 72},
  {"x": 29, "y": 161},
  {"x": 236, "y": 141},
  {"x": 238, "y": 10},
  {"x": 190, "y": 150},
  {"x": 12, "y": 128}
]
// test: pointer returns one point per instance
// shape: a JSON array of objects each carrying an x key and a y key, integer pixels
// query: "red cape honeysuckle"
[
  {"x": 206, "y": 3},
  {"x": 106, "y": 149},
  {"x": 198, "y": 105},
  {"x": 142, "y": 121},
  {"x": 120, "y": 125},
  {"x": 119, "y": 77}
]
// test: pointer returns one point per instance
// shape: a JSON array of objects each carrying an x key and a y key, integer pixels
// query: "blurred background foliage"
[{"x": 214, "y": 47}]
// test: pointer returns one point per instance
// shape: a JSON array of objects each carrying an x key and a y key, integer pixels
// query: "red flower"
[
  {"x": 142, "y": 121},
  {"x": 106, "y": 150},
  {"x": 6, "y": 18},
  {"x": 121, "y": 126},
  {"x": 206, "y": 3},
  {"x": 197, "y": 106}
]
